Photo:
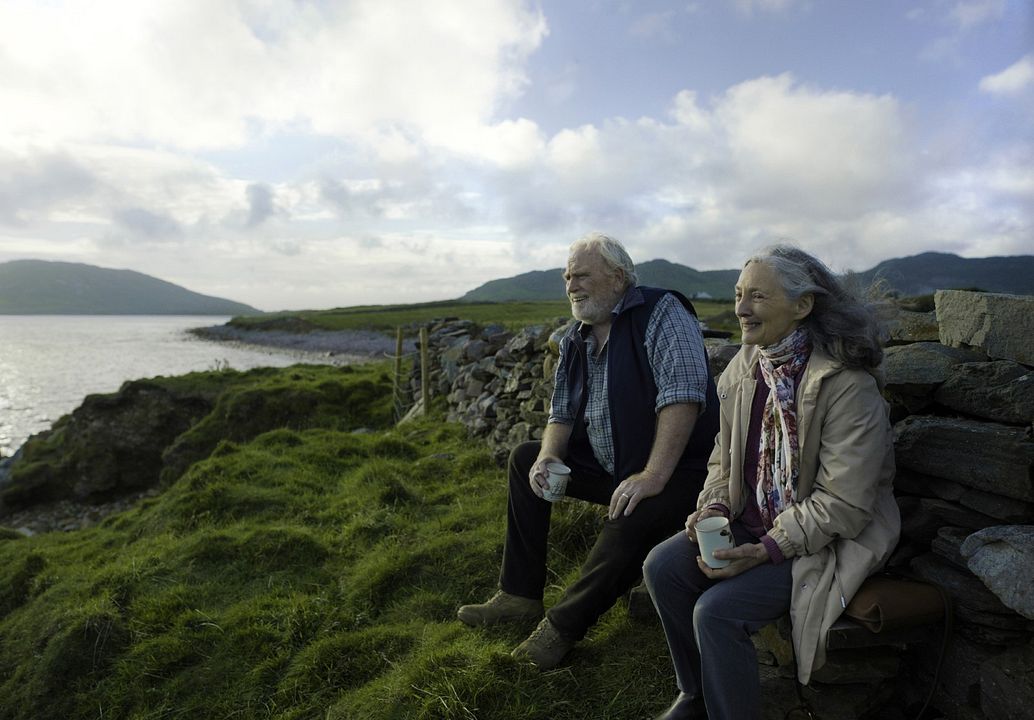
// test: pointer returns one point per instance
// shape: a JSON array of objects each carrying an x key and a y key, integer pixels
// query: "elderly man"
[{"x": 634, "y": 415}]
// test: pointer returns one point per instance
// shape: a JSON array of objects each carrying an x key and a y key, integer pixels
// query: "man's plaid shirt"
[{"x": 675, "y": 349}]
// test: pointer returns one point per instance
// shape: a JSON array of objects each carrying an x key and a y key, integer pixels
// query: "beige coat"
[{"x": 846, "y": 523}]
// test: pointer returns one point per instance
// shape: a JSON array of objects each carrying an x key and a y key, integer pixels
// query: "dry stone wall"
[
  {"x": 960, "y": 383},
  {"x": 963, "y": 408}
]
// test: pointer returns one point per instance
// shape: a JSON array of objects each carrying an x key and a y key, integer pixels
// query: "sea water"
[{"x": 50, "y": 363}]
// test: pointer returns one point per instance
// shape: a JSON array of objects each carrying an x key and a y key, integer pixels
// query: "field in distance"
[{"x": 386, "y": 318}]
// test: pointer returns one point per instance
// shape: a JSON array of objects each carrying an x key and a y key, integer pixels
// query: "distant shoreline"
[{"x": 338, "y": 347}]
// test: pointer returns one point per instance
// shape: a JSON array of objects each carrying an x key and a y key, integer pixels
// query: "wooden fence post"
[
  {"x": 425, "y": 369},
  {"x": 396, "y": 386}
]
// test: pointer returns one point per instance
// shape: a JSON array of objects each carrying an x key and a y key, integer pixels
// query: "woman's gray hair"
[
  {"x": 612, "y": 252},
  {"x": 842, "y": 324}
]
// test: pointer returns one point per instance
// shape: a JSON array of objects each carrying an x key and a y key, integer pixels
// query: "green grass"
[
  {"x": 163, "y": 425},
  {"x": 306, "y": 572},
  {"x": 386, "y": 318}
]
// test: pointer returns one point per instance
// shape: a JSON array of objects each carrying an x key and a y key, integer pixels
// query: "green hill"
[
  {"x": 925, "y": 273},
  {"x": 549, "y": 285},
  {"x": 915, "y": 275},
  {"x": 39, "y": 287}
]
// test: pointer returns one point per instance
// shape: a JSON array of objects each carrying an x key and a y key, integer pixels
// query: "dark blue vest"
[{"x": 631, "y": 390}]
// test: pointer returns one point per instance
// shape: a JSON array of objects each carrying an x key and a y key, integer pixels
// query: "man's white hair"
[{"x": 612, "y": 252}]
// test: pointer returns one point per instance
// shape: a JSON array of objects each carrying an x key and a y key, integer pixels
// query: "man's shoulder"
[{"x": 668, "y": 300}]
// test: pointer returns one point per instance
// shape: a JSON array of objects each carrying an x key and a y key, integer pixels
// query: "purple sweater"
[{"x": 750, "y": 518}]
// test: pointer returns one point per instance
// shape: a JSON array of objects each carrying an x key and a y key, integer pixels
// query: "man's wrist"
[{"x": 654, "y": 477}]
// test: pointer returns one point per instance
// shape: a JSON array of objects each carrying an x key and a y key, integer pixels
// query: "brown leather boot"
[
  {"x": 545, "y": 647},
  {"x": 501, "y": 607}
]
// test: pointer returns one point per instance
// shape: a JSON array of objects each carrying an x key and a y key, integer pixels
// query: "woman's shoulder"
[
  {"x": 826, "y": 372},
  {"x": 742, "y": 365}
]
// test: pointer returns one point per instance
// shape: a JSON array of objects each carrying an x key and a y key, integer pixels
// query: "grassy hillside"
[
  {"x": 38, "y": 287},
  {"x": 310, "y": 571},
  {"x": 386, "y": 318}
]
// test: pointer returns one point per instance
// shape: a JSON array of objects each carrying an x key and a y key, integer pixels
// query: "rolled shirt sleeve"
[
  {"x": 558, "y": 405},
  {"x": 675, "y": 349}
]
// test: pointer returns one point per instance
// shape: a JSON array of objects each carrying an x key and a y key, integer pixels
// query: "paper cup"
[
  {"x": 558, "y": 473},
  {"x": 713, "y": 533}
]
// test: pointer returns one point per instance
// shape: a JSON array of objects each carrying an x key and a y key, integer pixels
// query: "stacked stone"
[
  {"x": 497, "y": 383},
  {"x": 961, "y": 387}
]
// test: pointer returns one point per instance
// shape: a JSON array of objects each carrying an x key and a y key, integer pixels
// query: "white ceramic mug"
[
  {"x": 713, "y": 533},
  {"x": 557, "y": 475}
]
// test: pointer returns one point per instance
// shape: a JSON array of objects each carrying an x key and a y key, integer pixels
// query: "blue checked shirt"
[{"x": 675, "y": 349}]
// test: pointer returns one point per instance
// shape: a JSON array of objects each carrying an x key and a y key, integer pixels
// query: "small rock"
[{"x": 1003, "y": 558}]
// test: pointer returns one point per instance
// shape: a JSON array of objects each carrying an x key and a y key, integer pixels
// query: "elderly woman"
[{"x": 802, "y": 467}]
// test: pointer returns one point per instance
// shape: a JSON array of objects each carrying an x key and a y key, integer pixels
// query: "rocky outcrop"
[
  {"x": 110, "y": 445},
  {"x": 151, "y": 431}
]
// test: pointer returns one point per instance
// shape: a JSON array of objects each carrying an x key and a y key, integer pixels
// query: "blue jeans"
[{"x": 708, "y": 623}]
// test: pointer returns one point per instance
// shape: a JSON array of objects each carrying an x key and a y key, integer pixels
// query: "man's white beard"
[{"x": 592, "y": 311}]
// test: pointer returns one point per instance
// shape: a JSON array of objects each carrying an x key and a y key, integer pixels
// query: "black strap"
[
  {"x": 949, "y": 622},
  {"x": 803, "y": 710}
]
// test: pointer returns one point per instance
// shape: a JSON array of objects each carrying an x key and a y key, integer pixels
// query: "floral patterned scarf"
[{"x": 778, "y": 454}]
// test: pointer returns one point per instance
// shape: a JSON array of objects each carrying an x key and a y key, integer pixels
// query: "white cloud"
[
  {"x": 654, "y": 26},
  {"x": 841, "y": 173},
  {"x": 747, "y": 7},
  {"x": 768, "y": 157},
  {"x": 1013, "y": 80},
  {"x": 195, "y": 74},
  {"x": 141, "y": 134},
  {"x": 970, "y": 13},
  {"x": 821, "y": 153}
]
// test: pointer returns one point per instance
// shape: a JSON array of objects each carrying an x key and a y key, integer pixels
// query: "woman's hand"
[
  {"x": 741, "y": 557},
  {"x": 692, "y": 520}
]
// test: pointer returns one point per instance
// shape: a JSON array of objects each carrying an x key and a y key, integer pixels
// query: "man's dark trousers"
[{"x": 615, "y": 561}]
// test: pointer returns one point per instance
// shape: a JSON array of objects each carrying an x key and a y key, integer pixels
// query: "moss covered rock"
[{"x": 152, "y": 431}]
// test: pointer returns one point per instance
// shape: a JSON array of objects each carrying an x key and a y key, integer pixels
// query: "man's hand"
[
  {"x": 632, "y": 490},
  {"x": 743, "y": 558},
  {"x": 674, "y": 426},
  {"x": 538, "y": 473}
]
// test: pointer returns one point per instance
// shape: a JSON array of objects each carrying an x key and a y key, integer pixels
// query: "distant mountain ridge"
[
  {"x": 914, "y": 275},
  {"x": 927, "y": 272},
  {"x": 43, "y": 287},
  {"x": 549, "y": 284}
]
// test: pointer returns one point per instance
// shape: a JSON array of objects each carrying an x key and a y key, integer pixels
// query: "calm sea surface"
[{"x": 49, "y": 363}]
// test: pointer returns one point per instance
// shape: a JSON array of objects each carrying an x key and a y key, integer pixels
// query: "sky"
[{"x": 295, "y": 154}]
